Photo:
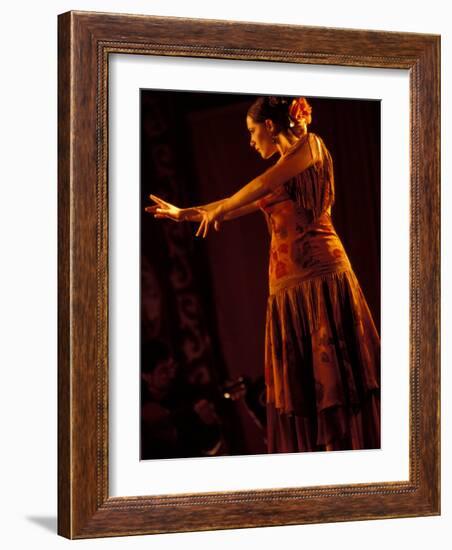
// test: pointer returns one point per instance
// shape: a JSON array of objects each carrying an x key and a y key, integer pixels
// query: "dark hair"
[{"x": 279, "y": 109}]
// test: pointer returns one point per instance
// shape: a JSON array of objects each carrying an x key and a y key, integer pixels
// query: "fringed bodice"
[{"x": 304, "y": 243}]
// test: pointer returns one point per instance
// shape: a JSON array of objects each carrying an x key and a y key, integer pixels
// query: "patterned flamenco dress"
[{"x": 322, "y": 349}]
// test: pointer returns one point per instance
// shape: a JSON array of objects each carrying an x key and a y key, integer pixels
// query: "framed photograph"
[{"x": 248, "y": 275}]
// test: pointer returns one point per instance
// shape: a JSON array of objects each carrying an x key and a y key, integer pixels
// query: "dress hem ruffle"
[
  {"x": 322, "y": 366},
  {"x": 336, "y": 428}
]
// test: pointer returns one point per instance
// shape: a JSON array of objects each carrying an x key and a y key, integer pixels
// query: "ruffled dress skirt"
[{"x": 322, "y": 367}]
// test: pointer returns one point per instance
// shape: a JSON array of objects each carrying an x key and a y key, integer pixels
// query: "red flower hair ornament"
[{"x": 299, "y": 111}]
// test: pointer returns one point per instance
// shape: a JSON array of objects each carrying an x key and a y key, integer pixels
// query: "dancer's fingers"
[
  {"x": 199, "y": 228},
  {"x": 158, "y": 200},
  {"x": 155, "y": 198}
]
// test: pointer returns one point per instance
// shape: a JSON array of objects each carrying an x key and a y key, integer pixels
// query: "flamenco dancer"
[{"x": 322, "y": 349}]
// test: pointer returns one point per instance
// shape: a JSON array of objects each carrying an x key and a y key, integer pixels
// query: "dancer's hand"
[
  {"x": 165, "y": 209},
  {"x": 212, "y": 216}
]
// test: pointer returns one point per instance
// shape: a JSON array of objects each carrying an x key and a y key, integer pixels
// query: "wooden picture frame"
[{"x": 85, "y": 42}]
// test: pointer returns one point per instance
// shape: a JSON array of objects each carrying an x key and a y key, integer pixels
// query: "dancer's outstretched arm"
[{"x": 164, "y": 209}]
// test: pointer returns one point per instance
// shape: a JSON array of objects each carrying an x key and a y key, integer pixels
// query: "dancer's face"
[{"x": 261, "y": 137}]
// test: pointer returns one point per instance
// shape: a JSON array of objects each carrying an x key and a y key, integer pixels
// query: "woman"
[{"x": 322, "y": 350}]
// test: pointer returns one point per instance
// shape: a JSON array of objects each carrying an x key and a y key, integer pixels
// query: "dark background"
[{"x": 206, "y": 299}]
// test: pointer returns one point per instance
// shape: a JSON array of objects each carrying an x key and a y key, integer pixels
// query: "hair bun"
[{"x": 287, "y": 112}]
